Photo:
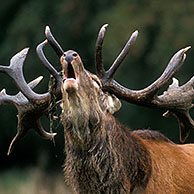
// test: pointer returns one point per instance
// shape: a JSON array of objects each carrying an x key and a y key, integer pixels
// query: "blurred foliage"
[
  {"x": 164, "y": 26},
  {"x": 32, "y": 181}
]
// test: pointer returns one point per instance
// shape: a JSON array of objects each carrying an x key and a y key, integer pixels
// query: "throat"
[
  {"x": 76, "y": 126},
  {"x": 79, "y": 124},
  {"x": 80, "y": 119},
  {"x": 102, "y": 163}
]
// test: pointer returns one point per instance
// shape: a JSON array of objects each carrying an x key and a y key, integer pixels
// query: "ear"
[{"x": 114, "y": 104}]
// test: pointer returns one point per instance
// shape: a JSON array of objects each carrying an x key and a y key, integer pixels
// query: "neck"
[{"x": 114, "y": 161}]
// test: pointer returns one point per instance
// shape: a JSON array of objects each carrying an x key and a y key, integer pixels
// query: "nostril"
[
  {"x": 69, "y": 56},
  {"x": 74, "y": 54}
]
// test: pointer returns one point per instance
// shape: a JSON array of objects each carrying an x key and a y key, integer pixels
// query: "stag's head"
[
  {"x": 88, "y": 100},
  {"x": 84, "y": 103}
]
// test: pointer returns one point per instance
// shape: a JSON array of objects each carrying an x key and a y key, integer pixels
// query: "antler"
[
  {"x": 53, "y": 42},
  {"x": 176, "y": 100},
  {"x": 30, "y": 105}
]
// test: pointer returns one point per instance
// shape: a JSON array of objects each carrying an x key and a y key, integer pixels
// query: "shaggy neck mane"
[{"x": 101, "y": 165}]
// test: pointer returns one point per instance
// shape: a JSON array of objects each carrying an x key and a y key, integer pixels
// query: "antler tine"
[
  {"x": 55, "y": 45},
  {"x": 188, "y": 85},
  {"x": 24, "y": 126},
  {"x": 122, "y": 55},
  {"x": 5, "y": 98},
  {"x": 46, "y": 63},
  {"x": 98, "y": 55},
  {"x": 35, "y": 82},
  {"x": 15, "y": 71},
  {"x": 185, "y": 122},
  {"x": 19, "y": 98}
]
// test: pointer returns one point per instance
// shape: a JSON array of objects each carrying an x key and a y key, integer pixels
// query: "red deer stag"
[{"x": 102, "y": 156}]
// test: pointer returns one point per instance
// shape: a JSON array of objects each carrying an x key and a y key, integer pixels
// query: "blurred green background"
[{"x": 164, "y": 28}]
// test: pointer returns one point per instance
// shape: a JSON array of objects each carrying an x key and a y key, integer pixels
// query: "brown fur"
[
  {"x": 172, "y": 168},
  {"x": 114, "y": 162},
  {"x": 172, "y": 165}
]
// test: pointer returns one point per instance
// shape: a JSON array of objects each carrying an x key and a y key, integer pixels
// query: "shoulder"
[{"x": 151, "y": 135}]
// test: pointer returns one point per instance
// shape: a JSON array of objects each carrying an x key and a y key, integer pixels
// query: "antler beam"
[{"x": 146, "y": 96}]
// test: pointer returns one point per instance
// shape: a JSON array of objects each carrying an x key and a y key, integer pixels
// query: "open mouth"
[
  {"x": 69, "y": 72},
  {"x": 70, "y": 78}
]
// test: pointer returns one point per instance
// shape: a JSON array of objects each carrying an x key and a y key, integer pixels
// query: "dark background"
[{"x": 164, "y": 28}]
